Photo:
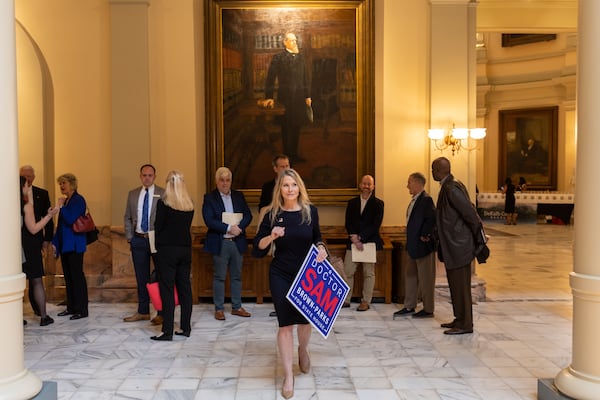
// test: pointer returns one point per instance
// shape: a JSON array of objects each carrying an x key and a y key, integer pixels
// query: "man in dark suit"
[
  {"x": 420, "y": 245},
  {"x": 289, "y": 69},
  {"x": 139, "y": 220},
  {"x": 364, "y": 215},
  {"x": 458, "y": 225},
  {"x": 227, "y": 215},
  {"x": 281, "y": 162},
  {"x": 41, "y": 204}
]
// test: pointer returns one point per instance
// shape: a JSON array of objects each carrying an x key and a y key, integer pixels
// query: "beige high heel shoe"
[
  {"x": 304, "y": 363},
  {"x": 287, "y": 394}
]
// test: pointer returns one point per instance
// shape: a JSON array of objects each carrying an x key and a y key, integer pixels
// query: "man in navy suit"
[
  {"x": 364, "y": 215},
  {"x": 420, "y": 244},
  {"x": 226, "y": 241}
]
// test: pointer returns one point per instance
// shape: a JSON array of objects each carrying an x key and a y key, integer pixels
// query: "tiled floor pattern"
[{"x": 522, "y": 334}]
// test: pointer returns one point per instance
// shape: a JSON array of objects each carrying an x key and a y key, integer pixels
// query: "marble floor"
[{"x": 522, "y": 333}]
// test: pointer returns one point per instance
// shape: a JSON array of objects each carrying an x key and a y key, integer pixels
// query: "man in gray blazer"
[{"x": 140, "y": 213}]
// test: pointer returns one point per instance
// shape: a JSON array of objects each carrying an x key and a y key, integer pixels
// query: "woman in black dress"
[
  {"x": 509, "y": 202},
  {"x": 291, "y": 223},
  {"x": 33, "y": 265},
  {"x": 174, "y": 214}
]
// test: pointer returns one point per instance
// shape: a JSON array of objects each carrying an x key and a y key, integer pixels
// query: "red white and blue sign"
[{"x": 318, "y": 292}]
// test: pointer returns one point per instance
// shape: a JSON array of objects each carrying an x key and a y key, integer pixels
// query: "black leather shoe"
[
  {"x": 65, "y": 313},
  {"x": 448, "y": 324},
  {"x": 403, "y": 312},
  {"x": 78, "y": 316},
  {"x": 47, "y": 320},
  {"x": 423, "y": 314},
  {"x": 457, "y": 331},
  {"x": 183, "y": 333},
  {"x": 162, "y": 337},
  {"x": 273, "y": 314}
]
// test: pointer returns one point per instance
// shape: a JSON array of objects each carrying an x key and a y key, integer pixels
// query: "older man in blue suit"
[
  {"x": 226, "y": 240},
  {"x": 420, "y": 245}
]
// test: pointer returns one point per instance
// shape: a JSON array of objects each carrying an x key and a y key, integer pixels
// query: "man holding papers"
[
  {"x": 227, "y": 215},
  {"x": 364, "y": 215}
]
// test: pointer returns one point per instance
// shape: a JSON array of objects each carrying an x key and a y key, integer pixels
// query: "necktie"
[{"x": 144, "y": 224}]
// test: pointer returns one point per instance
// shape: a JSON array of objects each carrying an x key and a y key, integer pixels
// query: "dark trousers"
[
  {"x": 141, "y": 255},
  {"x": 173, "y": 267},
  {"x": 459, "y": 282},
  {"x": 75, "y": 282}
]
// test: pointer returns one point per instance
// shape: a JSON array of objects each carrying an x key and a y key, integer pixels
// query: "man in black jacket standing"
[
  {"x": 41, "y": 204},
  {"x": 364, "y": 215},
  {"x": 420, "y": 245},
  {"x": 458, "y": 225}
]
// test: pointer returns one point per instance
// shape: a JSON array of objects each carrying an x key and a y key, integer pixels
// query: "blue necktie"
[{"x": 144, "y": 224}]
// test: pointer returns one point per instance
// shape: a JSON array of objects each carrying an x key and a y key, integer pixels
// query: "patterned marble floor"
[{"x": 523, "y": 333}]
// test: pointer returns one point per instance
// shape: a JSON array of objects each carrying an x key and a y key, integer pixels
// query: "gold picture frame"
[{"x": 336, "y": 146}]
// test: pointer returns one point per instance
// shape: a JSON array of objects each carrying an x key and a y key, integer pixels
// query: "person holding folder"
[
  {"x": 227, "y": 215},
  {"x": 364, "y": 215}
]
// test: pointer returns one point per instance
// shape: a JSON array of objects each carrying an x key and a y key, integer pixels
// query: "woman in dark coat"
[{"x": 509, "y": 202}]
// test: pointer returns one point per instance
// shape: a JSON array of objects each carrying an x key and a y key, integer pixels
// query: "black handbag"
[{"x": 91, "y": 236}]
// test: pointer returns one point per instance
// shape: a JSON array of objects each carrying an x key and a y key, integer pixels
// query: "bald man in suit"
[{"x": 137, "y": 236}]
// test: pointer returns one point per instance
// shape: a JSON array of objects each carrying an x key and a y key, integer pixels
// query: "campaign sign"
[{"x": 318, "y": 292}]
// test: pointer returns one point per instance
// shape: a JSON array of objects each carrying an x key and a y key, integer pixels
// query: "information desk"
[{"x": 529, "y": 205}]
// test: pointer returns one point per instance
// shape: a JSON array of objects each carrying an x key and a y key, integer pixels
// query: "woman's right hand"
[
  {"x": 52, "y": 211},
  {"x": 277, "y": 232}
]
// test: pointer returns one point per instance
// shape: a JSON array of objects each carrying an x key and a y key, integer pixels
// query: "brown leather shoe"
[
  {"x": 457, "y": 331},
  {"x": 363, "y": 306},
  {"x": 137, "y": 317},
  {"x": 158, "y": 320},
  {"x": 240, "y": 312},
  {"x": 220, "y": 315}
]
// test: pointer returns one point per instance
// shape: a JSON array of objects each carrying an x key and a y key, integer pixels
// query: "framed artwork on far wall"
[
  {"x": 247, "y": 52},
  {"x": 528, "y": 147}
]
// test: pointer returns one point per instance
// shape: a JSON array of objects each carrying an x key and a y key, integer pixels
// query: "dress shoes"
[
  {"x": 183, "y": 333},
  {"x": 448, "y": 324},
  {"x": 363, "y": 306},
  {"x": 273, "y": 314},
  {"x": 423, "y": 314},
  {"x": 304, "y": 362},
  {"x": 287, "y": 394},
  {"x": 240, "y": 312},
  {"x": 158, "y": 320},
  {"x": 47, "y": 320},
  {"x": 220, "y": 315},
  {"x": 65, "y": 313},
  {"x": 346, "y": 305},
  {"x": 137, "y": 317},
  {"x": 457, "y": 331},
  {"x": 404, "y": 312},
  {"x": 162, "y": 337},
  {"x": 78, "y": 316}
]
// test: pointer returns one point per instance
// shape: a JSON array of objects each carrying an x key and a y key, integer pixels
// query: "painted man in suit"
[
  {"x": 140, "y": 214},
  {"x": 364, "y": 215},
  {"x": 293, "y": 92},
  {"x": 226, "y": 241},
  {"x": 458, "y": 225},
  {"x": 420, "y": 245},
  {"x": 41, "y": 204}
]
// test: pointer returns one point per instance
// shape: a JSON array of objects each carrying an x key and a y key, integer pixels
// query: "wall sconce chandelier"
[{"x": 454, "y": 138}]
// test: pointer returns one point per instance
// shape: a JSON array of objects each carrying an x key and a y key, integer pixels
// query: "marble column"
[
  {"x": 581, "y": 379},
  {"x": 16, "y": 382}
]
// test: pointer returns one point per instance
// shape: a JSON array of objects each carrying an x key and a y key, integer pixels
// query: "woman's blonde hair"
[
  {"x": 68, "y": 178},
  {"x": 276, "y": 206},
  {"x": 176, "y": 194}
]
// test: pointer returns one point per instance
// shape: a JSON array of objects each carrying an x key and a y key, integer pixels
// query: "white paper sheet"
[
  {"x": 367, "y": 255},
  {"x": 232, "y": 218}
]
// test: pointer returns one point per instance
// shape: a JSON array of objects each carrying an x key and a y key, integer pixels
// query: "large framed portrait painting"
[
  {"x": 293, "y": 78},
  {"x": 528, "y": 147}
]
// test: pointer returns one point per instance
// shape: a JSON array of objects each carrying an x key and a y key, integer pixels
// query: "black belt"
[
  {"x": 142, "y": 235},
  {"x": 229, "y": 239}
]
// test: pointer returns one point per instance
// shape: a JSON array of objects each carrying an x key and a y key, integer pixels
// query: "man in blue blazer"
[
  {"x": 226, "y": 240},
  {"x": 420, "y": 244}
]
